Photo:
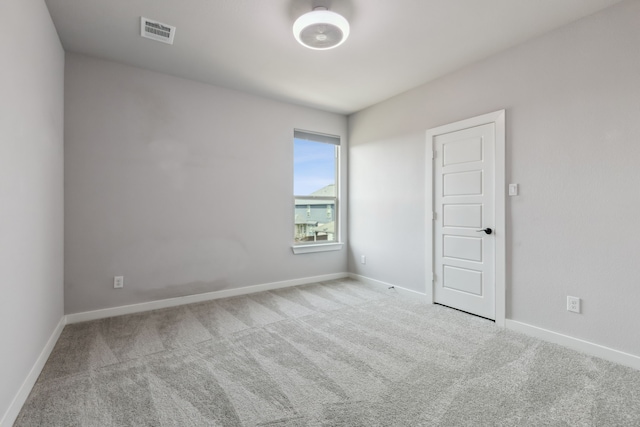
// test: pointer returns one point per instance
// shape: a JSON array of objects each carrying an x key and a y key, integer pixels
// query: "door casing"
[{"x": 498, "y": 119}]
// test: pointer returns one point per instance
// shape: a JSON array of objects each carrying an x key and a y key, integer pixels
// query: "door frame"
[{"x": 498, "y": 119}]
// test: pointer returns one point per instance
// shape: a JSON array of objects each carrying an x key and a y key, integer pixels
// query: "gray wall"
[
  {"x": 180, "y": 187},
  {"x": 573, "y": 132},
  {"x": 31, "y": 185}
]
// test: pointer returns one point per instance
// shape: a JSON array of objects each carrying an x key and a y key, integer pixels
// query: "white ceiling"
[{"x": 248, "y": 45}]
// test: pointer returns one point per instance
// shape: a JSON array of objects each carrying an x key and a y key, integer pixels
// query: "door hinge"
[
  {"x": 433, "y": 277},
  {"x": 434, "y": 154},
  {"x": 434, "y": 215}
]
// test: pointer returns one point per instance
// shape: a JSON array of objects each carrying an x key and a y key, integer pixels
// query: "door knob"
[{"x": 486, "y": 230}]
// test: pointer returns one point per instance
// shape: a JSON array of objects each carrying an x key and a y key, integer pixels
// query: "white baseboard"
[
  {"x": 16, "y": 405},
  {"x": 14, "y": 408},
  {"x": 577, "y": 344},
  {"x": 583, "y": 346},
  {"x": 189, "y": 299},
  {"x": 11, "y": 414},
  {"x": 403, "y": 291}
]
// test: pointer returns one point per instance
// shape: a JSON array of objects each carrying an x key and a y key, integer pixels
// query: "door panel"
[
  {"x": 462, "y": 216},
  {"x": 463, "y": 152},
  {"x": 465, "y": 248},
  {"x": 462, "y": 280},
  {"x": 462, "y": 183},
  {"x": 464, "y": 202}
]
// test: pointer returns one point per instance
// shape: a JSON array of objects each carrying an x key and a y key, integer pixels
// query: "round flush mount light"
[{"x": 321, "y": 29}]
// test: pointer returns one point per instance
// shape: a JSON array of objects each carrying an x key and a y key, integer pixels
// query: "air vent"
[{"x": 156, "y": 30}]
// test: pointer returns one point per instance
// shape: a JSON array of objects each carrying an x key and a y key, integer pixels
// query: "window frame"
[{"x": 336, "y": 243}]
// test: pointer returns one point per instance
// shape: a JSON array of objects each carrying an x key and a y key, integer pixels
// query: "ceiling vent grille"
[{"x": 156, "y": 30}]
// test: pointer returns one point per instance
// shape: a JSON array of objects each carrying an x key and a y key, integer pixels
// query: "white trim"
[
  {"x": 429, "y": 213},
  {"x": 16, "y": 405},
  {"x": 501, "y": 220},
  {"x": 23, "y": 393},
  {"x": 398, "y": 289},
  {"x": 189, "y": 299},
  {"x": 498, "y": 118},
  {"x": 583, "y": 346},
  {"x": 322, "y": 247}
]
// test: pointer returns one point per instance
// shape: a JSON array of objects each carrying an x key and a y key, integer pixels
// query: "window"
[{"x": 315, "y": 188}]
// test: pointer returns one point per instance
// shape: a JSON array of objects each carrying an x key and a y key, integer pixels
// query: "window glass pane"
[
  {"x": 315, "y": 220},
  {"x": 314, "y": 168}
]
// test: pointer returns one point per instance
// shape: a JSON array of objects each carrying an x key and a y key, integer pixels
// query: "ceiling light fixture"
[{"x": 321, "y": 29}]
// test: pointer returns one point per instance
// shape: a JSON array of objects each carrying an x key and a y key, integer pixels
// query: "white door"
[{"x": 464, "y": 229}]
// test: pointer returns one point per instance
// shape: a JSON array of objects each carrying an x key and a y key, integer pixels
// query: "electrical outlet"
[
  {"x": 573, "y": 304},
  {"x": 363, "y": 259},
  {"x": 118, "y": 282}
]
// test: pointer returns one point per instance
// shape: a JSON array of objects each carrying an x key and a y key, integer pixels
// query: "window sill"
[{"x": 324, "y": 247}]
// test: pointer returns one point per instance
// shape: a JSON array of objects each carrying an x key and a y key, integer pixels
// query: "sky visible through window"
[{"x": 314, "y": 166}]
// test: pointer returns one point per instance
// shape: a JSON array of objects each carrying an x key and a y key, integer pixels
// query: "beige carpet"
[{"x": 339, "y": 353}]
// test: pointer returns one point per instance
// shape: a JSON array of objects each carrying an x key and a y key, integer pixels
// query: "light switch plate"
[{"x": 513, "y": 189}]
